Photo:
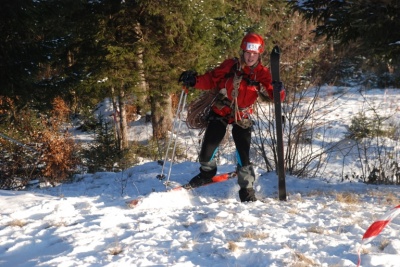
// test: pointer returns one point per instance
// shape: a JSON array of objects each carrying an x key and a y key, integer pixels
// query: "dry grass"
[
  {"x": 294, "y": 211},
  {"x": 255, "y": 235},
  {"x": 364, "y": 251},
  {"x": 17, "y": 223},
  {"x": 385, "y": 197},
  {"x": 343, "y": 197},
  {"x": 116, "y": 249},
  {"x": 384, "y": 243},
  {"x": 59, "y": 224},
  {"x": 315, "y": 193},
  {"x": 348, "y": 198},
  {"x": 302, "y": 260},
  {"x": 232, "y": 246},
  {"x": 391, "y": 198},
  {"x": 316, "y": 230}
]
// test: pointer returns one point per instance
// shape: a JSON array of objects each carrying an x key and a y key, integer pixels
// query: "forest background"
[{"x": 60, "y": 59}]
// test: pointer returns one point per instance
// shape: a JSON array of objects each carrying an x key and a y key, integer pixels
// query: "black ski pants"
[{"x": 214, "y": 134}]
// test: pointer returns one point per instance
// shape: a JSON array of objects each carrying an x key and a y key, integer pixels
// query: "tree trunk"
[
  {"x": 116, "y": 117},
  {"x": 142, "y": 95},
  {"x": 123, "y": 125},
  {"x": 161, "y": 108}
]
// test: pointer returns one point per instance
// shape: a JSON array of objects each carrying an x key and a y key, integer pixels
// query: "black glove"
[
  {"x": 188, "y": 78},
  {"x": 282, "y": 92}
]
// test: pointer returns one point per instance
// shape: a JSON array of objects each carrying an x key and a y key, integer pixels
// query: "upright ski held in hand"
[{"x": 275, "y": 58}]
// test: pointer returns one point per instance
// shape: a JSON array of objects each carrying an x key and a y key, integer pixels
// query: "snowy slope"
[{"x": 87, "y": 222}]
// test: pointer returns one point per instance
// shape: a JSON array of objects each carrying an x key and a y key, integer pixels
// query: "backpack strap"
[
  {"x": 234, "y": 71},
  {"x": 235, "y": 67}
]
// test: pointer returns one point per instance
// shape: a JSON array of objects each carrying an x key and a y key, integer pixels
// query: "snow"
[{"x": 88, "y": 223}]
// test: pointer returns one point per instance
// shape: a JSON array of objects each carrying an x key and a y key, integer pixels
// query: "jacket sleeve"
[{"x": 211, "y": 79}]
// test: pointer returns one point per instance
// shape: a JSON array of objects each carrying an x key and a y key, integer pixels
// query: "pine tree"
[
  {"x": 20, "y": 46},
  {"x": 372, "y": 23}
]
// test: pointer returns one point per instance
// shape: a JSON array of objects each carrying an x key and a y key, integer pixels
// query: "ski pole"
[{"x": 180, "y": 108}]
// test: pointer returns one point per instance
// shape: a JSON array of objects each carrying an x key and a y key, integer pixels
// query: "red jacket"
[{"x": 222, "y": 77}]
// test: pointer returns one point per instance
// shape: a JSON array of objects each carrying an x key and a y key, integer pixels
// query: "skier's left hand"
[{"x": 282, "y": 93}]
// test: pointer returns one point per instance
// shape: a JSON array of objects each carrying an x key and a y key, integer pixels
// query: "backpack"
[{"x": 199, "y": 109}]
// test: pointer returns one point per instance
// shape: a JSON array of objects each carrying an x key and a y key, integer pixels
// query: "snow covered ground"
[{"x": 87, "y": 222}]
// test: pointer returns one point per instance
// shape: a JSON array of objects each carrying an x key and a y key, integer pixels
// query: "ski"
[
  {"x": 216, "y": 179},
  {"x": 277, "y": 84}
]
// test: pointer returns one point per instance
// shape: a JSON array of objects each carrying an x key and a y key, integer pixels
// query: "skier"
[{"x": 240, "y": 81}]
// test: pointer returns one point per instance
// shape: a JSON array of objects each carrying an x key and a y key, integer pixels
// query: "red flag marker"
[{"x": 376, "y": 228}]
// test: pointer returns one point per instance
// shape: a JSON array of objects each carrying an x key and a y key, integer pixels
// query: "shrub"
[
  {"x": 363, "y": 126},
  {"x": 34, "y": 146}
]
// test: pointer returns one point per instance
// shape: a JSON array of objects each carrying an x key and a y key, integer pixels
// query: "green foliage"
[
  {"x": 372, "y": 23},
  {"x": 82, "y": 43},
  {"x": 17, "y": 165},
  {"x": 21, "y": 48},
  {"x": 363, "y": 126},
  {"x": 149, "y": 150},
  {"x": 104, "y": 155},
  {"x": 103, "y": 152},
  {"x": 133, "y": 51},
  {"x": 360, "y": 127}
]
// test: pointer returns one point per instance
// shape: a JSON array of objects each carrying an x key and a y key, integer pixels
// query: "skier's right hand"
[{"x": 188, "y": 78}]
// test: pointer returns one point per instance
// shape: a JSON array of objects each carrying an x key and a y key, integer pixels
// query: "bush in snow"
[{"x": 37, "y": 147}]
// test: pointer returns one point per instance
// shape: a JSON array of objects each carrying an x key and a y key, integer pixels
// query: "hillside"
[{"x": 87, "y": 222}]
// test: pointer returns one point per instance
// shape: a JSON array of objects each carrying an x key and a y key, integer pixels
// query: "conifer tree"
[
  {"x": 20, "y": 46},
  {"x": 372, "y": 23},
  {"x": 177, "y": 35}
]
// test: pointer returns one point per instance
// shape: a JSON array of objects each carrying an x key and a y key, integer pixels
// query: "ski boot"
[
  {"x": 247, "y": 195},
  {"x": 246, "y": 179},
  {"x": 203, "y": 178}
]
